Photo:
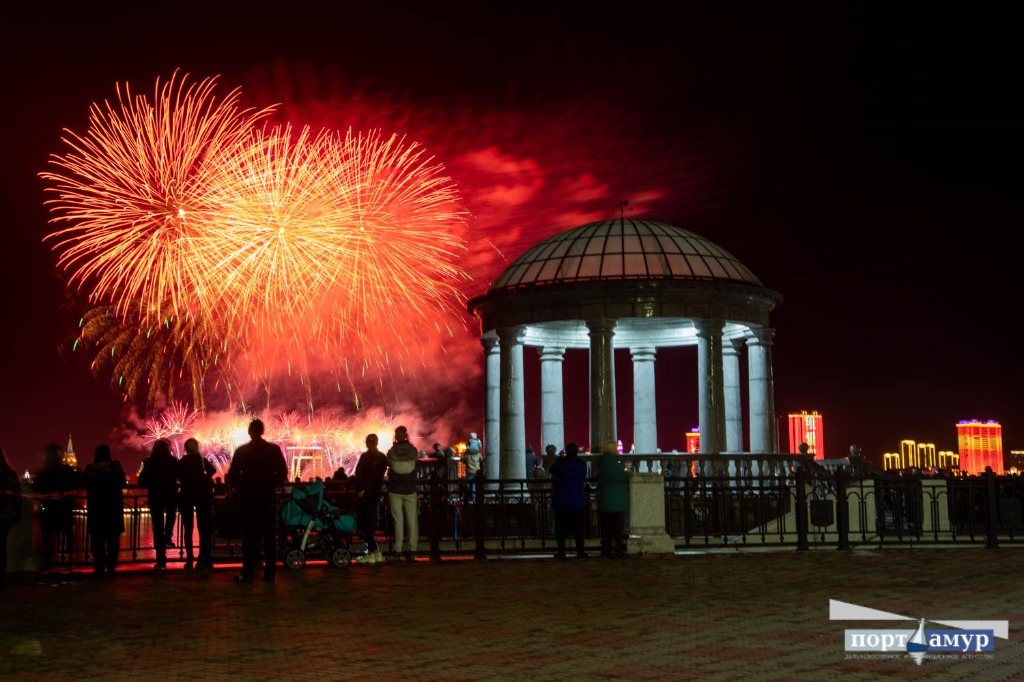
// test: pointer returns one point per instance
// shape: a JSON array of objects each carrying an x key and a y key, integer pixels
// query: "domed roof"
[{"x": 622, "y": 250}]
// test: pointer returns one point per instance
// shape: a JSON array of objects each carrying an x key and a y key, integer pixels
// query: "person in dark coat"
[
  {"x": 569, "y": 500},
  {"x": 195, "y": 503},
  {"x": 369, "y": 479},
  {"x": 257, "y": 470},
  {"x": 55, "y": 484},
  {"x": 104, "y": 489},
  {"x": 612, "y": 500},
  {"x": 159, "y": 476}
]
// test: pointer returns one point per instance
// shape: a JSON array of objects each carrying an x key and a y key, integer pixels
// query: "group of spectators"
[
  {"x": 257, "y": 471},
  {"x": 568, "y": 474},
  {"x": 398, "y": 466},
  {"x": 179, "y": 485}
]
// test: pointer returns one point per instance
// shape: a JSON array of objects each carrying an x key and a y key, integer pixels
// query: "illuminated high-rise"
[
  {"x": 981, "y": 445},
  {"x": 923, "y": 456},
  {"x": 806, "y": 427},
  {"x": 908, "y": 455},
  {"x": 948, "y": 460}
]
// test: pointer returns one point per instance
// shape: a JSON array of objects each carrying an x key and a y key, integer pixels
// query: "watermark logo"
[{"x": 943, "y": 639}]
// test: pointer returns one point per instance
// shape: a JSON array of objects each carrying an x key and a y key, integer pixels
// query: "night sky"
[{"x": 862, "y": 161}]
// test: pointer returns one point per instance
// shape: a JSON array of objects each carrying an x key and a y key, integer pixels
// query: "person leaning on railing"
[
  {"x": 612, "y": 500},
  {"x": 569, "y": 500}
]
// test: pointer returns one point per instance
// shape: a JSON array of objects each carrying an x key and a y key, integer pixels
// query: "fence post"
[
  {"x": 478, "y": 503},
  {"x": 993, "y": 511},
  {"x": 842, "y": 511},
  {"x": 435, "y": 516},
  {"x": 801, "y": 509}
]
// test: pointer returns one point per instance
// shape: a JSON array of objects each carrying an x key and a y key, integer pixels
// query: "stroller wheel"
[
  {"x": 295, "y": 559},
  {"x": 340, "y": 557}
]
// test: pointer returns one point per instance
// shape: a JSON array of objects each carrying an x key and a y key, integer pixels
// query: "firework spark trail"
[
  {"x": 136, "y": 191},
  {"x": 266, "y": 247},
  {"x": 324, "y": 236}
]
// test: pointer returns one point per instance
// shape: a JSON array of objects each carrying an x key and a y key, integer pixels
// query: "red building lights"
[
  {"x": 806, "y": 427},
  {"x": 981, "y": 445}
]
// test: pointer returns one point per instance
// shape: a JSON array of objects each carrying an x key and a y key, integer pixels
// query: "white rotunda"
[{"x": 635, "y": 284}]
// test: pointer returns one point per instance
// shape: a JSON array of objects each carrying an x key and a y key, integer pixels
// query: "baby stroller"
[{"x": 312, "y": 525}]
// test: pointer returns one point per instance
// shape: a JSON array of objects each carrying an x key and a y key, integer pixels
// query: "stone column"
[
  {"x": 733, "y": 395},
  {"x": 645, "y": 417},
  {"x": 762, "y": 390},
  {"x": 602, "y": 382},
  {"x": 492, "y": 409},
  {"x": 710, "y": 385},
  {"x": 552, "y": 402},
  {"x": 512, "y": 414}
]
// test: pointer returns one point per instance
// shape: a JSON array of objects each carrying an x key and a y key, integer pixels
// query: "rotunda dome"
[{"x": 623, "y": 250}]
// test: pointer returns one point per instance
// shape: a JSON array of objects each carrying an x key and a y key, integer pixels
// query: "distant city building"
[
  {"x": 1014, "y": 462},
  {"x": 693, "y": 441},
  {"x": 948, "y": 460},
  {"x": 806, "y": 427},
  {"x": 981, "y": 445},
  {"x": 69, "y": 455},
  {"x": 922, "y": 456}
]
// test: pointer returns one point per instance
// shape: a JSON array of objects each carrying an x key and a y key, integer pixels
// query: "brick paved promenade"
[{"x": 731, "y": 616}]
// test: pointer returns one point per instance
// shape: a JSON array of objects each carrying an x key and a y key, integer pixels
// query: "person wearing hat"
[
  {"x": 612, "y": 500},
  {"x": 402, "y": 458},
  {"x": 473, "y": 459}
]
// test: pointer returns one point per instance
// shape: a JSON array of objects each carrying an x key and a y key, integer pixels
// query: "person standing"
[
  {"x": 55, "y": 483},
  {"x": 104, "y": 488},
  {"x": 257, "y": 470},
  {"x": 195, "y": 474},
  {"x": 473, "y": 459},
  {"x": 402, "y": 494},
  {"x": 612, "y": 500},
  {"x": 159, "y": 476},
  {"x": 550, "y": 456},
  {"x": 10, "y": 509},
  {"x": 532, "y": 461},
  {"x": 369, "y": 479},
  {"x": 442, "y": 461},
  {"x": 569, "y": 500}
]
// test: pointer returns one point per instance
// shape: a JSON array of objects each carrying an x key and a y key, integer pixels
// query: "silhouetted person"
[
  {"x": 10, "y": 509},
  {"x": 104, "y": 489},
  {"x": 195, "y": 501},
  {"x": 257, "y": 470},
  {"x": 612, "y": 500},
  {"x": 369, "y": 479},
  {"x": 55, "y": 484},
  {"x": 569, "y": 500},
  {"x": 402, "y": 494},
  {"x": 550, "y": 456},
  {"x": 159, "y": 476}
]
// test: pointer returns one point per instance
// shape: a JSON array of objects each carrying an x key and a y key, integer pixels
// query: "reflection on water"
[{"x": 137, "y": 541}]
